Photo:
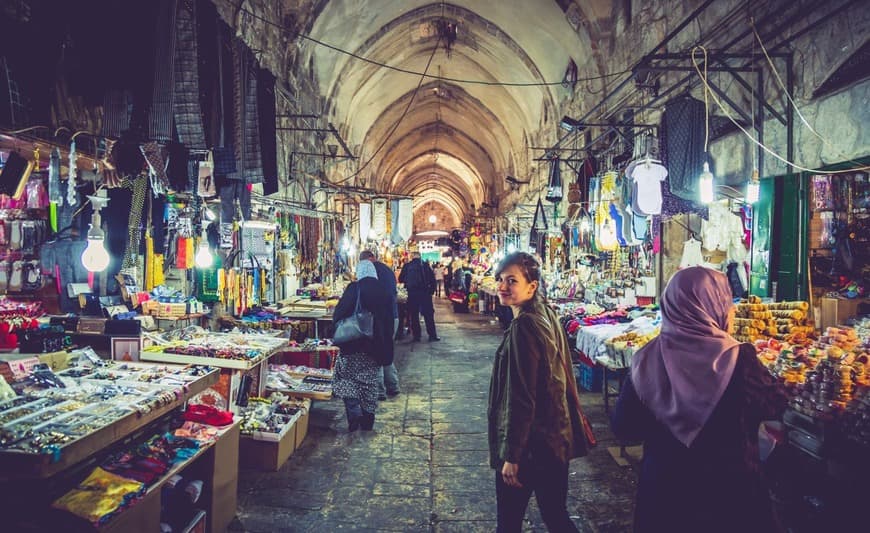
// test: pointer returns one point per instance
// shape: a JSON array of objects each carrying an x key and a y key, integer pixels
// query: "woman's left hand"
[{"x": 510, "y": 472}]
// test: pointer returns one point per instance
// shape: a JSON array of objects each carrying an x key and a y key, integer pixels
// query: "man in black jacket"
[
  {"x": 388, "y": 375},
  {"x": 419, "y": 280}
]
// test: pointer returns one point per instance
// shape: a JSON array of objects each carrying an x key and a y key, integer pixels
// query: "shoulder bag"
[{"x": 360, "y": 325}]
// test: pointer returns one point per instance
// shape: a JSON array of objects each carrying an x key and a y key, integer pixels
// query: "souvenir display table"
[
  {"x": 240, "y": 356},
  {"x": 68, "y": 437},
  {"x": 46, "y": 430}
]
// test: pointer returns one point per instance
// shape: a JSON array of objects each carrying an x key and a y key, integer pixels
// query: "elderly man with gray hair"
[{"x": 388, "y": 384}]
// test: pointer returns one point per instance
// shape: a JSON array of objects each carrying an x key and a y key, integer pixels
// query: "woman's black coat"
[{"x": 375, "y": 298}]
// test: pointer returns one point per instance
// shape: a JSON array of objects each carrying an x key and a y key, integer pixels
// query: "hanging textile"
[
  {"x": 683, "y": 145},
  {"x": 186, "y": 107},
  {"x": 394, "y": 217},
  {"x": 379, "y": 217},
  {"x": 160, "y": 117},
  {"x": 365, "y": 221},
  {"x": 406, "y": 218}
]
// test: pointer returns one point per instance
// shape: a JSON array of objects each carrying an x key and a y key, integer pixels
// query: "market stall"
[{"x": 55, "y": 426}]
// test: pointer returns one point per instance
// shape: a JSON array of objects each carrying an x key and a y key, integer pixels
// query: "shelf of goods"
[
  {"x": 828, "y": 382},
  {"x": 300, "y": 381},
  {"x": 47, "y": 430},
  {"x": 224, "y": 350}
]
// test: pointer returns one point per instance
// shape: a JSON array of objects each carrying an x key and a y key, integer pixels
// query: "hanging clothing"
[
  {"x": 365, "y": 221},
  {"x": 647, "y": 190},
  {"x": 406, "y": 218},
  {"x": 682, "y": 140},
  {"x": 721, "y": 229},
  {"x": 692, "y": 255}
]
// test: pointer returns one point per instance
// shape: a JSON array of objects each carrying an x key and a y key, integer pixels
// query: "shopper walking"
[
  {"x": 419, "y": 280},
  {"x": 356, "y": 367},
  {"x": 695, "y": 397},
  {"x": 439, "y": 279},
  {"x": 530, "y": 423},
  {"x": 388, "y": 376}
]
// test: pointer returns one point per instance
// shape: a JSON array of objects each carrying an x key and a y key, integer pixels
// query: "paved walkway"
[{"x": 425, "y": 467}]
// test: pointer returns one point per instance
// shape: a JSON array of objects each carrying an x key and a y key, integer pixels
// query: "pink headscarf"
[{"x": 681, "y": 375}]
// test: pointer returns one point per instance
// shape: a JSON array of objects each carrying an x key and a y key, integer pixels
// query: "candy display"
[
  {"x": 780, "y": 320},
  {"x": 828, "y": 379}
]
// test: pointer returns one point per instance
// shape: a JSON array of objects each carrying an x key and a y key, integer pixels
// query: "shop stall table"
[
  {"x": 109, "y": 426},
  {"x": 232, "y": 370}
]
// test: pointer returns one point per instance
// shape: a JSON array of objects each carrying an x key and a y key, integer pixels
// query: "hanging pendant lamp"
[{"x": 554, "y": 186}]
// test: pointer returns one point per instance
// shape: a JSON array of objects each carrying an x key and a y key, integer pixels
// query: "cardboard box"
[
  {"x": 225, "y": 480},
  {"x": 143, "y": 516},
  {"x": 268, "y": 455},
  {"x": 302, "y": 425},
  {"x": 836, "y": 311}
]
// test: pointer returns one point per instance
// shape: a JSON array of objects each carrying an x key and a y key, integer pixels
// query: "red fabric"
[{"x": 206, "y": 414}]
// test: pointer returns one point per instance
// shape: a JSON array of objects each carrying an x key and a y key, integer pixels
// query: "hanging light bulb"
[
  {"x": 203, "y": 257},
  {"x": 95, "y": 258},
  {"x": 705, "y": 184},
  {"x": 753, "y": 188},
  {"x": 433, "y": 219}
]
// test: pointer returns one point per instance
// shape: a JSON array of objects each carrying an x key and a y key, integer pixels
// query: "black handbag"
[{"x": 360, "y": 325}]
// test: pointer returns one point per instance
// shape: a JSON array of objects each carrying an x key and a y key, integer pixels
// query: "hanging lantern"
[{"x": 554, "y": 186}]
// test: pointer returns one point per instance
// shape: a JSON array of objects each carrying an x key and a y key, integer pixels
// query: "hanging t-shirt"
[
  {"x": 692, "y": 254},
  {"x": 648, "y": 195}
]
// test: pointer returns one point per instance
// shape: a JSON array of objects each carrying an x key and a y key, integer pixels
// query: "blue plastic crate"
[{"x": 589, "y": 378}]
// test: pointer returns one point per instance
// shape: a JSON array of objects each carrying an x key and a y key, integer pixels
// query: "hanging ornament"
[{"x": 73, "y": 173}]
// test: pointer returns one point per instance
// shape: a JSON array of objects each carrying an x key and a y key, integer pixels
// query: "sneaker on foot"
[
  {"x": 392, "y": 393},
  {"x": 434, "y": 339}
]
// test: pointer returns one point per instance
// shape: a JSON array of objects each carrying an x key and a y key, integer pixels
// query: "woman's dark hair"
[{"x": 529, "y": 266}]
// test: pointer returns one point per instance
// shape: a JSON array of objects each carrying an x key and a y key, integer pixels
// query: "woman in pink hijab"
[{"x": 695, "y": 397}]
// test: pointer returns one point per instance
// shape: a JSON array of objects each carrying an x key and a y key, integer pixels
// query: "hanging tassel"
[
  {"x": 55, "y": 198},
  {"x": 73, "y": 174}
]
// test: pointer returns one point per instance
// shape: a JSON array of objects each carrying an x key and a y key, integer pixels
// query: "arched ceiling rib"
[{"x": 475, "y": 130}]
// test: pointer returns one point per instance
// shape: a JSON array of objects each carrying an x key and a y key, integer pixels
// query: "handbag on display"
[{"x": 360, "y": 325}]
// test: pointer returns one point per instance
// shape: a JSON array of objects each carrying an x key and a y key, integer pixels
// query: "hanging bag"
[
  {"x": 358, "y": 326},
  {"x": 583, "y": 437},
  {"x": 536, "y": 235}
]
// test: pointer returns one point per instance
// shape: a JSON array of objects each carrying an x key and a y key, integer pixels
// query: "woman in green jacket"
[{"x": 531, "y": 417}]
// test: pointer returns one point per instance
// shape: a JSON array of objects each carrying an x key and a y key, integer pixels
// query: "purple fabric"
[{"x": 681, "y": 375}]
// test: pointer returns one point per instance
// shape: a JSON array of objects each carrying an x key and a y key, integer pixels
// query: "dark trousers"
[
  {"x": 548, "y": 479},
  {"x": 438, "y": 284},
  {"x": 231, "y": 191},
  {"x": 421, "y": 304}
]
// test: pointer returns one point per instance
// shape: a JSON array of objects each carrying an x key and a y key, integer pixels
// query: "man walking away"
[
  {"x": 439, "y": 279},
  {"x": 419, "y": 280},
  {"x": 388, "y": 376}
]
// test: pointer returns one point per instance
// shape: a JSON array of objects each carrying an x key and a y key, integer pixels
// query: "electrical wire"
[
  {"x": 716, "y": 99},
  {"x": 424, "y": 74},
  {"x": 788, "y": 97},
  {"x": 399, "y": 121}
]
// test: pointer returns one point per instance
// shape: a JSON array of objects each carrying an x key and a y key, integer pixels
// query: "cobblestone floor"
[{"x": 425, "y": 466}]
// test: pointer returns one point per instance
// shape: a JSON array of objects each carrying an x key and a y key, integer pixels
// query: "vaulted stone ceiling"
[{"x": 449, "y": 142}]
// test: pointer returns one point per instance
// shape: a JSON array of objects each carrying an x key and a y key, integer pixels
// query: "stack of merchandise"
[
  {"x": 302, "y": 381},
  {"x": 269, "y": 418},
  {"x": 828, "y": 380},
  {"x": 780, "y": 320}
]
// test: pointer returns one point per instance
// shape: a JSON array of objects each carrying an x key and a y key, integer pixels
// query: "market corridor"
[{"x": 425, "y": 466}]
